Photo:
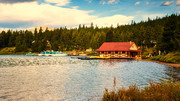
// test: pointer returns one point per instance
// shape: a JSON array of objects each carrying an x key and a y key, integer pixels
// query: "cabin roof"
[{"x": 116, "y": 46}]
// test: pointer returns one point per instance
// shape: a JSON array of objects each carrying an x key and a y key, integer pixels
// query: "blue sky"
[{"x": 17, "y": 14}]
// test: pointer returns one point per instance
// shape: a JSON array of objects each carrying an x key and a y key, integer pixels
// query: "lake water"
[{"x": 70, "y": 79}]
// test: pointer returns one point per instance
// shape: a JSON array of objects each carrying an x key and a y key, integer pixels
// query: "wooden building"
[{"x": 119, "y": 50}]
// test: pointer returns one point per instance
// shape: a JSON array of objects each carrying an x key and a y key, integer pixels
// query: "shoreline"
[{"x": 170, "y": 64}]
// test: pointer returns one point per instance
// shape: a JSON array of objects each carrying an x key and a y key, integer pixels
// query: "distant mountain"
[{"x": 43, "y": 28}]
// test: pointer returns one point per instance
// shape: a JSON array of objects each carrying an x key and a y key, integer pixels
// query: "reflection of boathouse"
[{"x": 119, "y": 50}]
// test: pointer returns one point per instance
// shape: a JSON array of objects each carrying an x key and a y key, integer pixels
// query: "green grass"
[
  {"x": 94, "y": 53},
  {"x": 163, "y": 91},
  {"x": 10, "y": 51},
  {"x": 173, "y": 57}
]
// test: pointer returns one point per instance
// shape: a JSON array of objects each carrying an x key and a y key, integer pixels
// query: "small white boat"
[
  {"x": 52, "y": 53},
  {"x": 30, "y": 54}
]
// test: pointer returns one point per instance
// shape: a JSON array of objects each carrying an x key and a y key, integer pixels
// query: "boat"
[
  {"x": 52, "y": 53},
  {"x": 31, "y": 54}
]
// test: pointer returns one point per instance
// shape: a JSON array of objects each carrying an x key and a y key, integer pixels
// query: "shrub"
[
  {"x": 169, "y": 58},
  {"x": 92, "y": 53},
  {"x": 145, "y": 55},
  {"x": 163, "y": 91}
]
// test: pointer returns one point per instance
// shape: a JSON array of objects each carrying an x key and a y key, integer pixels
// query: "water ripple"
[{"x": 65, "y": 78}]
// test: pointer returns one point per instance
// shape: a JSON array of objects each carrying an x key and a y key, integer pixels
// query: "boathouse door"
[{"x": 133, "y": 54}]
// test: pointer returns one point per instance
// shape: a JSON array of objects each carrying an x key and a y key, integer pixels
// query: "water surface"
[{"x": 66, "y": 79}]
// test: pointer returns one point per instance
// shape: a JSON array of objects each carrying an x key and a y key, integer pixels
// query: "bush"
[
  {"x": 164, "y": 91},
  {"x": 169, "y": 58},
  {"x": 92, "y": 53},
  {"x": 145, "y": 55}
]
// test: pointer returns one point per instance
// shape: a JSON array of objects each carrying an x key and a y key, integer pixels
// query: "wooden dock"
[{"x": 96, "y": 57}]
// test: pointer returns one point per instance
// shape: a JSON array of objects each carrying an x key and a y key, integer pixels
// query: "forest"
[{"x": 164, "y": 33}]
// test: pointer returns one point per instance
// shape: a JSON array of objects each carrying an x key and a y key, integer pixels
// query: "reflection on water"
[{"x": 65, "y": 78}]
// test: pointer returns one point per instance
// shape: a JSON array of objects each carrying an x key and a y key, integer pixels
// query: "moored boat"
[
  {"x": 31, "y": 54},
  {"x": 52, "y": 53}
]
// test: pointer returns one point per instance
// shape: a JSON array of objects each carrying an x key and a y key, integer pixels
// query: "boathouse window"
[
  {"x": 102, "y": 52},
  {"x": 109, "y": 52},
  {"x": 123, "y": 52},
  {"x": 116, "y": 52}
]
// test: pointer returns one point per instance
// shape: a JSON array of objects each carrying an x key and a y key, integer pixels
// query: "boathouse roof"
[{"x": 118, "y": 46}]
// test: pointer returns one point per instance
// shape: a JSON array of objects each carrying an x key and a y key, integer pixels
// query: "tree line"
[{"x": 162, "y": 32}]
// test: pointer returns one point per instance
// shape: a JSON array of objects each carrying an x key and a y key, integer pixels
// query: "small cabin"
[{"x": 119, "y": 50}]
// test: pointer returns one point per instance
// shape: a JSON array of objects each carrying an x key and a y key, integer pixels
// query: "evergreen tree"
[
  {"x": 164, "y": 31},
  {"x": 168, "y": 34},
  {"x": 109, "y": 36}
]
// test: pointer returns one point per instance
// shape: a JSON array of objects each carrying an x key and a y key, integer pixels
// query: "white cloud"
[
  {"x": 113, "y": 1},
  {"x": 103, "y": 2},
  {"x": 140, "y": 16},
  {"x": 151, "y": 16},
  {"x": 147, "y": 3},
  {"x": 3, "y": 29},
  {"x": 43, "y": 14},
  {"x": 167, "y": 3},
  {"x": 137, "y": 3},
  {"x": 109, "y": 1},
  {"x": 113, "y": 20},
  {"x": 59, "y": 2},
  {"x": 75, "y": 7},
  {"x": 89, "y": 1},
  {"x": 178, "y": 2},
  {"x": 54, "y": 16},
  {"x": 15, "y": 1}
]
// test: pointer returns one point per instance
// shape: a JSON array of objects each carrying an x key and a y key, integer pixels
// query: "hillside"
[{"x": 164, "y": 33}]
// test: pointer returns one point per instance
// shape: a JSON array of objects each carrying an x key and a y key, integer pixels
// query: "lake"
[{"x": 33, "y": 78}]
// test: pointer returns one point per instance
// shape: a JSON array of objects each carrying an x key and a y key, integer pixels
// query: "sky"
[{"x": 22, "y": 14}]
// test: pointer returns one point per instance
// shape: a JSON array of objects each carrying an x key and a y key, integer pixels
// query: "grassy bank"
[
  {"x": 173, "y": 57},
  {"x": 10, "y": 51},
  {"x": 164, "y": 91}
]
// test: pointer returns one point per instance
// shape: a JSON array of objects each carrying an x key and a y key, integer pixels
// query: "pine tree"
[
  {"x": 109, "y": 36},
  {"x": 168, "y": 34}
]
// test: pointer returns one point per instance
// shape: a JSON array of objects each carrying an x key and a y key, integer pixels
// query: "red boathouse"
[{"x": 119, "y": 50}]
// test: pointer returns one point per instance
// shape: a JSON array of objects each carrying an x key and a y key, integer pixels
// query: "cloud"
[
  {"x": 167, "y": 3},
  {"x": 137, "y": 3},
  {"x": 89, "y": 1},
  {"x": 15, "y": 1},
  {"x": 59, "y": 2},
  {"x": 103, "y": 2},
  {"x": 152, "y": 16},
  {"x": 75, "y": 7},
  {"x": 112, "y": 20},
  {"x": 141, "y": 16},
  {"x": 147, "y": 3},
  {"x": 25, "y": 15},
  {"x": 178, "y": 2},
  {"x": 43, "y": 14},
  {"x": 113, "y": 1},
  {"x": 109, "y": 1}
]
